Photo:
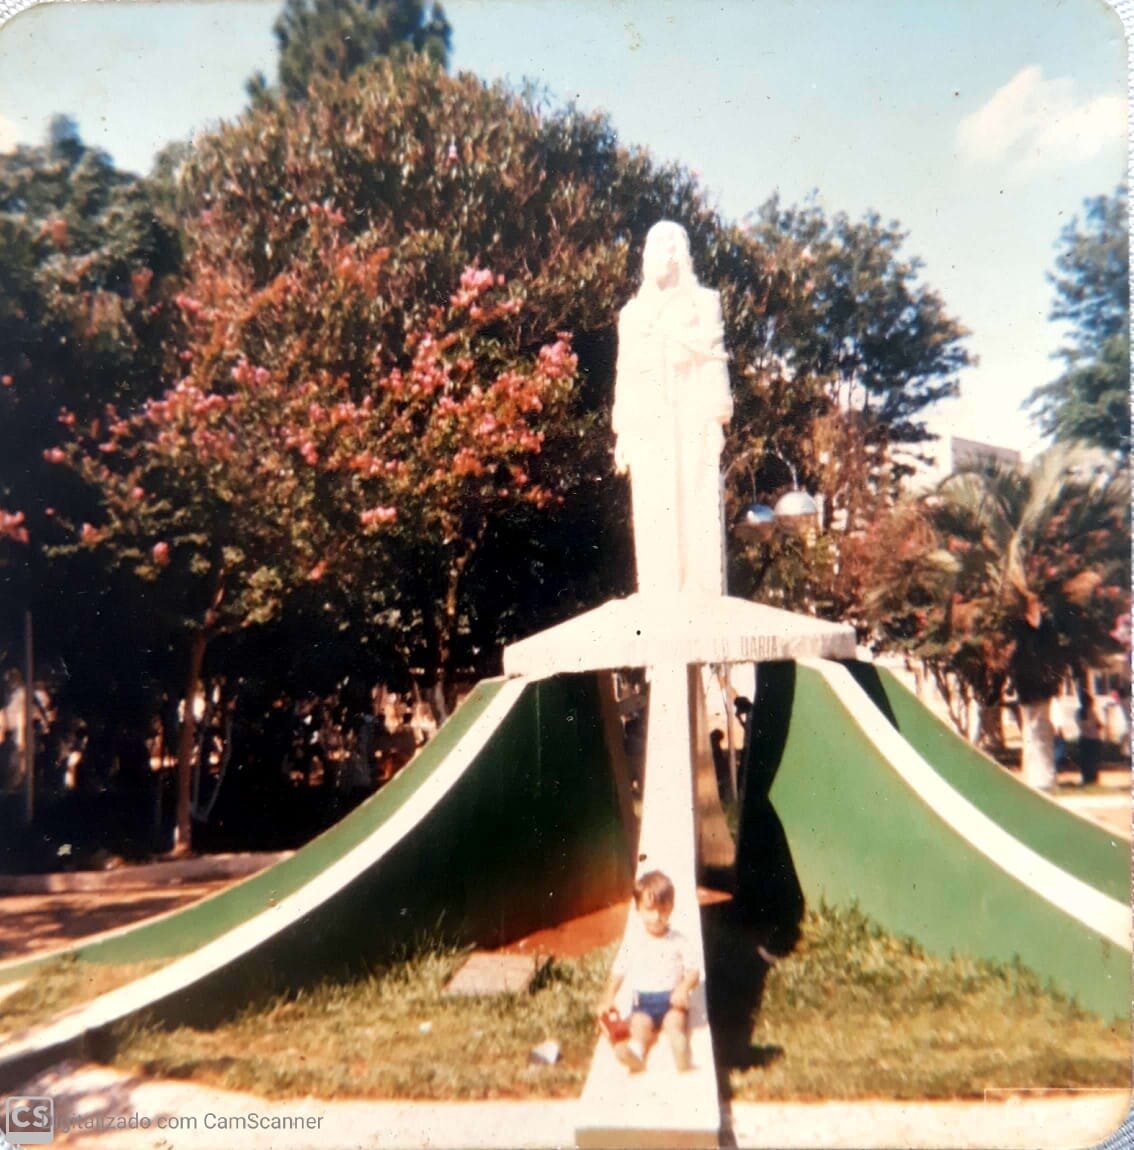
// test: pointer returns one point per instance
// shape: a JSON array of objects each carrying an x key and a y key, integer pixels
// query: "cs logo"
[{"x": 29, "y": 1121}]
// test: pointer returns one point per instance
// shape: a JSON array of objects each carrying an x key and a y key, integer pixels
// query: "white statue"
[{"x": 671, "y": 402}]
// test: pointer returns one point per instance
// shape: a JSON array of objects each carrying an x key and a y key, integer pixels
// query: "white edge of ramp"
[
  {"x": 215, "y": 955},
  {"x": 1100, "y": 913}
]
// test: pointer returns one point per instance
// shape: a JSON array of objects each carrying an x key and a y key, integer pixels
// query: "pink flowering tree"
[{"x": 296, "y": 450}]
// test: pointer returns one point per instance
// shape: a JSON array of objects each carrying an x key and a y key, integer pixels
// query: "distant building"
[{"x": 970, "y": 453}]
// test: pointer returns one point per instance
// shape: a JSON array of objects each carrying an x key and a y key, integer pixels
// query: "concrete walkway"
[
  {"x": 46, "y": 912},
  {"x": 182, "y": 1116},
  {"x": 195, "y": 869}
]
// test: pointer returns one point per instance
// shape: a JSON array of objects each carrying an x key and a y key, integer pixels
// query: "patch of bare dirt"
[{"x": 34, "y": 923}]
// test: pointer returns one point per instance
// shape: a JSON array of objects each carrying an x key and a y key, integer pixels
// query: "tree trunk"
[
  {"x": 186, "y": 745},
  {"x": 955, "y": 697},
  {"x": 446, "y": 631},
  {"x": 990, "y": 729},
  {"x": 29, "y": 721},
  {"x": 1038, "y": 758}
]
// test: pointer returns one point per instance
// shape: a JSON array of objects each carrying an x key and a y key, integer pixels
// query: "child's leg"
[
  {"x": 643, "y": 1034},
  {"x": 642, "y": 1030},
  {"x": 675, "y": 1025}
]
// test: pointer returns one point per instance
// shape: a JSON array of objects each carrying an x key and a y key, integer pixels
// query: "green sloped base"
[
  {"x": 858, "y": 834},
  {"x": 1082, "y": 849},
  {"x": 529, "y": 834}
]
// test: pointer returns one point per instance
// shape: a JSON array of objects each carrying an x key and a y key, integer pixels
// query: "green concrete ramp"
[
  {"x": 509, "y": 820},
  {"x": 1083, "y": 849},
  {"x": 944, "y": 855},
  {"x": 508, "y": 756},
  {"x": 177, "y": 933}
]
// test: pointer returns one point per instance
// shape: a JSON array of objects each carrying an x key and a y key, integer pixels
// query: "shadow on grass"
[
  {"x": 763, "y": 921},
  {"x": 743, "y": 937},
  {"x": 736, "y": 974}
]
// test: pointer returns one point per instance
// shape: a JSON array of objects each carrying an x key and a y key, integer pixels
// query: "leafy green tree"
[
  {"x": 858, "y": 321},
  {"x": 84, "y": 272},
  {"x": 851, "y": 351},
  {"x": 86, "y": 264},
  {"x": 333, "y": 38},
  {"x": 1090, "y": 400},
  {"x": 1005, "y": 575}
]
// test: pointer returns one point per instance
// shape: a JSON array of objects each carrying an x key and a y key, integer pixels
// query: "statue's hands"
[{"x": 621, "y": 463}]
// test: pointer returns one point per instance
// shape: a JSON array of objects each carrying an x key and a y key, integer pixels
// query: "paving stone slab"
[{"x": 487, "y": 974}]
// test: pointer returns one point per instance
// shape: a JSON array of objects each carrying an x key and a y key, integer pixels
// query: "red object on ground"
[{"x": 614, "y": 1026}]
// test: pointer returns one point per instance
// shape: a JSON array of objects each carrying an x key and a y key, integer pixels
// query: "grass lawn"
[
  {"x": 392, "y": 1035},
  {"x": 853, "y": 1013}
]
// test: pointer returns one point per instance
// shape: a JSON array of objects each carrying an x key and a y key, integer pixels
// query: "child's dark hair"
[{"x": 653, "y": 889}]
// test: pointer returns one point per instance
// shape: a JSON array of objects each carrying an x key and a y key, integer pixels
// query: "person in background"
[{"x": 1090, "y": 740}]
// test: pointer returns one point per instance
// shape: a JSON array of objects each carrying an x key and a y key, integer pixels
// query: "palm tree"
[{"x": 1042, "y": 578}]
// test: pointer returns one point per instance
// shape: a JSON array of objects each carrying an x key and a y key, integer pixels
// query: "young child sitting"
[{"x": 661, "y": 970}]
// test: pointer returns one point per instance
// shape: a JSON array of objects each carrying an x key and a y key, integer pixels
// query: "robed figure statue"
[{"x": 671, "y": 403}]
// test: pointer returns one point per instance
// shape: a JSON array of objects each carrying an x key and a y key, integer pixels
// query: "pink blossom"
[
  {"x": 6, "y": 380},
  {"x": 557, "y": 359},
  {"x": 474, "y": 282},
  {"x": 318, "y": 571},
  {"x": 161, "y": 553},
  {"x": 378, "y": 515},
  {"x": 477, "y": 279},
  {"x": 466, "y": 463},
  {"x": 54, "y": 455},
  {"x": 90, "y": 535},
  {"x": 188, "y": 304},
  {"x": 12, "y": 526}
]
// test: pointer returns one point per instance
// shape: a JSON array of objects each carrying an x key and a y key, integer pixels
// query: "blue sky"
[{"x": 980, "y": 125}]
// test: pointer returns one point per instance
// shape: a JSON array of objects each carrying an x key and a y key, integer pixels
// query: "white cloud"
[{"x": 1036, "y": 123}]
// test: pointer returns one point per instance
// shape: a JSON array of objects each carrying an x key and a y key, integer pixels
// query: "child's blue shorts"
[{"x": 653, "y": 1003}]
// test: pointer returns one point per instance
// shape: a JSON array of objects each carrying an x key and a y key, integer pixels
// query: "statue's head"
[{"x": 665, "y": 260}]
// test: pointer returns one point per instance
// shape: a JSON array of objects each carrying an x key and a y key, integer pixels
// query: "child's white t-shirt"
[{"x": 650, "y": 963}]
